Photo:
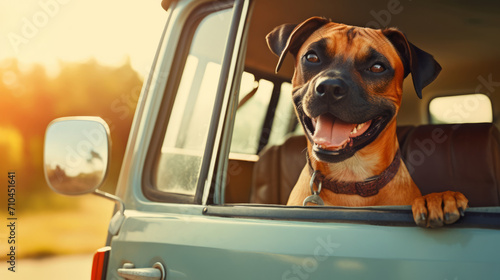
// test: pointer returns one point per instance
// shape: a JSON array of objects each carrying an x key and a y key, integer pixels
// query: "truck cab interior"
[{"x": 449, "y": 139}]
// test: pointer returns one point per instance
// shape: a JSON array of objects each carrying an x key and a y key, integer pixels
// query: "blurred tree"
[{"x": 30, "y": 99}]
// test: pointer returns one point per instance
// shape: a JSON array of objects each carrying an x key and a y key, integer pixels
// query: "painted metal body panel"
[{"x": 199, "y": 247}]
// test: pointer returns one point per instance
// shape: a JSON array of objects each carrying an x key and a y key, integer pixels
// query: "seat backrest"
[
  {"x": 277, "y": 170},
  {"x": 464, "y": 157}
]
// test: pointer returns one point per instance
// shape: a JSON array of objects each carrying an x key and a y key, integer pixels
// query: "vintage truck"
[{"x": 215, "y": 148}]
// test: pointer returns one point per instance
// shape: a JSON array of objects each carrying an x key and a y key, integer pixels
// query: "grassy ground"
[{"x": 57, "y": 225}]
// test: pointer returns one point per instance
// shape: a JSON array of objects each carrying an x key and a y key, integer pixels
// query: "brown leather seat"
[{"x": 463, "y": 158}]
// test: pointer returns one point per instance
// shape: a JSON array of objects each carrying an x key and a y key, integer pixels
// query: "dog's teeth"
[{"x": 355, "y": 130}]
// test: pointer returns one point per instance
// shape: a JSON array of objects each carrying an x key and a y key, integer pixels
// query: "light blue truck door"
[{"x": 169, "y": 222}]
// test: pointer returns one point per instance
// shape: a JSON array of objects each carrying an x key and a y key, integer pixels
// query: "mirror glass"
[{"x": 76, "y": 154}]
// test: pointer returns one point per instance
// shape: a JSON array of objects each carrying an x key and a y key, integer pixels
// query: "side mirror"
[
  {"x": 76, "y": 154},
  {"x": 76, "y": 160}
]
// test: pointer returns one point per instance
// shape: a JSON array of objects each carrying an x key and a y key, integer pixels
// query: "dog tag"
[{"x": 313, "y": 199}]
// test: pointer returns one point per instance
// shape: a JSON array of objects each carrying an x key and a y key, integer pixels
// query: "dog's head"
[{"x": 347, "y": 83}]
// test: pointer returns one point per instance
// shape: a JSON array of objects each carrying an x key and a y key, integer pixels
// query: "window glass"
[
  {"x": 283, "y": 118},
  {"x": 250, "y": 114},
  {"x": 468, "y": 108},
  {"x": 187, "y": 131}
]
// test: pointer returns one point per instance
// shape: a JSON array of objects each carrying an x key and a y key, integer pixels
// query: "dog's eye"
[
  {"x": 377, "y": 68},
  {"x": 312, "y": 57}
]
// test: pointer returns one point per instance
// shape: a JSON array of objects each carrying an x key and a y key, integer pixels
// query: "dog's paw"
[{"x": 436, "y": 209}]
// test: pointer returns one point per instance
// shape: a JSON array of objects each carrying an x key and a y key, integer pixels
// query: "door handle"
[{"x": 129, "y": 272}]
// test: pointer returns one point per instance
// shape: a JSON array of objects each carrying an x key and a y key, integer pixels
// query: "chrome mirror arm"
[{"x": 118, "y": 218}]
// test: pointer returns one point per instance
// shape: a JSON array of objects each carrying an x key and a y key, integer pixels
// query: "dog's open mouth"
[{"x": 331, "y": 136}]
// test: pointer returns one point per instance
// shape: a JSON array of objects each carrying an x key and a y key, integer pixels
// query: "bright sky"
[{"x": 46, "y": 31}]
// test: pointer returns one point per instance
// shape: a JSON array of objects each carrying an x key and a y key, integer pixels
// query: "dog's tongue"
[{"x": 331, "y": 132}]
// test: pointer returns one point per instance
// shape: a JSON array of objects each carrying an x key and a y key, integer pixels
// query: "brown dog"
[{"x": 347, "y": 89}]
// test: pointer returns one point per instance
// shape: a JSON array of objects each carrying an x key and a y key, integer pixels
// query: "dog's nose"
[{"x": 333, "y": 87}]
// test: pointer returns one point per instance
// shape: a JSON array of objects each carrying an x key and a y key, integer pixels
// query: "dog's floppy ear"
[
  {"x": 423, "y": 67},
  {"x": 289, "y": 37}
]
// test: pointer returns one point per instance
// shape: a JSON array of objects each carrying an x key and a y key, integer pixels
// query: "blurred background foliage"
[{"x": 31, "y": 99}]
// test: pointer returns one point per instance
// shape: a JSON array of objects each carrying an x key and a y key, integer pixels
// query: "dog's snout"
[{"x": 334, "y": 87}]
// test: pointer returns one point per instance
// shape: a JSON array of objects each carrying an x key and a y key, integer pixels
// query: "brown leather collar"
[{"x": 368, "y": 187}]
